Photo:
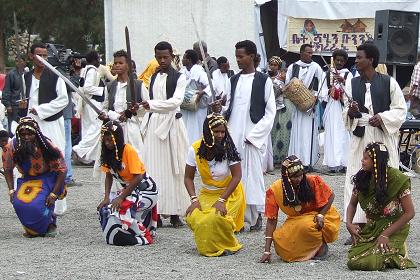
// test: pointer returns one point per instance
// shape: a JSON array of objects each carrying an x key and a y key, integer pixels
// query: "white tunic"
[
  {"x": 302, "y": 122},
  {"x": 337, "y": 137},
  {"x": 242, "y": 128},
  {"x": 131, "y": 127},
  {"x": 220, "y": 82},
  {"x": 52, "y": 129},
  {"x": 194, "y": 120},
  {"x": 392, "y": 120},
  {"x": 166, "y": 146},
  {"x": 88, "y": 147}
]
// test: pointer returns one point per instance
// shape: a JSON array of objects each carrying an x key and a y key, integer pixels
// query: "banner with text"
[{"x": 327, "y": 36}]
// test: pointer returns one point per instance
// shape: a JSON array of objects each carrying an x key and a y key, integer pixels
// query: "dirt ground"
[{"x": 80, "y": 252}]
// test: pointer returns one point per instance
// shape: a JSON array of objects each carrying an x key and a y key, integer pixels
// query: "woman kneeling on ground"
[
  {"x": 312, "y": 221},
  {"x": 384, "y": 193},
  {"x": 218, "y": 212},
  {"x": 130, "y": 217},
  {"x": 43, "y": 171}
]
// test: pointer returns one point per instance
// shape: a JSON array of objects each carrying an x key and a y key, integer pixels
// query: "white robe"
[
  {"x": 194, "y": 120},
  {"x": 220, "y": 82},
  {"x": 166, "y": 146},
  {"x": 131, "y": 127},
  {"x": 337, "y": 137},
  {"x": 52, "y": 129},
  {"x": 241, "y": 129},
  {"x": 392, "y": 120},
  {"x": 88, "y": 147},
  {"x": 300, "y": 135}
]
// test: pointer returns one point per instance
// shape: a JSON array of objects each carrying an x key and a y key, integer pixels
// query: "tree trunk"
[{"x": 2, "y": 47}]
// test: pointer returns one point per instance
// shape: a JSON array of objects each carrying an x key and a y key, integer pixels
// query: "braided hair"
[
  {"x": 378, "y": 152},
  {"x": 292, "y": 167},
  {"x": 112, "y": 159},
  {"x": 208, "y": 147},
  {"x": 21, "y": 153}
]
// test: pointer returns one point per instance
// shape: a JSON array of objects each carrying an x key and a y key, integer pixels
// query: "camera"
[{"x": 61, "y": 57}]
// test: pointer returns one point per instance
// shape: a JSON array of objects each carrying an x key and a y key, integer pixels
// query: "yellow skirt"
[
  {"x": 214, "y": 233},
  {"x": 299, "y": 240}
]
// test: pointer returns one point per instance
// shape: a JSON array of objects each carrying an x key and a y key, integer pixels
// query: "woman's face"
[
  {"x": 273, "y": 67},
  {"x": 296, "y": 179},
  {"x": 219, "y": 133},
  {"x": 108, "y": 142},
  {"x": 367, "y": 162}
]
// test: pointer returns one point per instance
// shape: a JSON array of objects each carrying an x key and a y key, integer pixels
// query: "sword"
[
  {"x": 69, "y": 83},
  {"x": 130, "y": 70},
  {"x": 206, "y": 67}
]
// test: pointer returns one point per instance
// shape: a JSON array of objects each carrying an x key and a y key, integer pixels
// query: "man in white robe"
[
  {"x": 382, "y": 126},
  {"x": 165, "y": 137},
  {"x": 195, "y": 73},
  {"x": 116, "y": 108},
  {"x": 305, "y": 124},
  {"x": 337, "y": 137},
  {"x": 250, "y": 114},
  {"x": 221, "y": 77},
  {"x": 87, "y": 149},
  {"x": 45, "y": 105}
]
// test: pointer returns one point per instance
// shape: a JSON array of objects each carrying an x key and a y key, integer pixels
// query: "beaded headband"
[
  {"x": 111, "y": 127},
  {"x": 293, "y": 166},
  {"x": 215, "y": 120},
  {"x": 276, "y": 60}
]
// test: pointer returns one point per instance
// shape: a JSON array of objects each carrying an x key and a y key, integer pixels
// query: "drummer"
[{"x": 305, "y": 124}]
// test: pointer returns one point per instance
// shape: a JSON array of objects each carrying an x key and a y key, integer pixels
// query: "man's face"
[
  {"x": 196, "y": 48},
  {"x": 27, "y": 135},
  {"x": 306, "y": 55},
  {"x": 42, "y": 52},
  {"x": 362, "y": 62},
  {"x": 3, "y": 141},
  {"x": 164, "y": 58},
  {"x": 339, "y": 62},
  {"x": 243, "y": 59},
  {"x": 224, "y": 67},
  {"x": 120, "y": 66},
  {"x": 185, "y": 60}
]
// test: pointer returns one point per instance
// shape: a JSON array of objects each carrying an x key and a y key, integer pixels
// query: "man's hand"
[
  {"x": 376, "y": 121},
  {"x": 199, "y": 96},
  {"x": 339, "y": 79},
  {"x": 145, "y": 105},
  {"x": 33, "y": 111},
  {"x": 103, "y": 116},
  {"x": 216, "y": 106},
  {"x": 122, "y": 117}
]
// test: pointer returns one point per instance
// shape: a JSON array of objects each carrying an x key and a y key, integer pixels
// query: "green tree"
[{"x": 78, "y": 25}]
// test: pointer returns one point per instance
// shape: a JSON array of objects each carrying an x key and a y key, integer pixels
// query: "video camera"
[{"x": 61, "y": 57}]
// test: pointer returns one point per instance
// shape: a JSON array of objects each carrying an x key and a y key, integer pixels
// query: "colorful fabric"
[
  {"x": 36, "y": 166},
  {"x": 298, "y": 239},
  {"x": 364, "y": 255},
  {"x": 136, "y": 220},
  {"x": 213, "y": 233},
  {"x": 415, "y": 80},
  {"x": 29, "y": 202},
  {"x": 151, "y": 68}
]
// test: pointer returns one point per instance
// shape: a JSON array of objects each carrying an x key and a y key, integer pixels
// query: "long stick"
[
  {"x": 130, "y": 68},
  {"x": 206, "y": 67},
  {"x": 69, "y": 83}
]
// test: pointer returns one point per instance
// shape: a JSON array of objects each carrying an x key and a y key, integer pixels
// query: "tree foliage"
[{"x": 79, "y": 25}]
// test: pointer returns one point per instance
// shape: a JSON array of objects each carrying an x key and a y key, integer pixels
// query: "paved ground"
[{"x": 79, "y": 251}]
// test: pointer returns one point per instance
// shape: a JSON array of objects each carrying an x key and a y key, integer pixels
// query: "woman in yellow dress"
[
  {"x": 312, "y": 221},
  {"x": 218, "y": 212}
]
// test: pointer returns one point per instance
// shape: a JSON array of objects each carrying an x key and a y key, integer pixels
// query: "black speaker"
[{"x": 396, "y": 36}]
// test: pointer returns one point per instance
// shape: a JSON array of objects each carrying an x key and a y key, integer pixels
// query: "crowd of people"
[{"x": 150, "y": 135}]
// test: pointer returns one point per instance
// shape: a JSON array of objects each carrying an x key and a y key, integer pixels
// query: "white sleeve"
[
  {"x": 168, "y": 105},
  {"x": 56, "y": 105},
  {"x": 190, "y": 160},
  {"x": 90, "y": 86}
]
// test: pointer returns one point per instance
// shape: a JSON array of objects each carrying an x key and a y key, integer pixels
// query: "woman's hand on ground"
[
  {"x": 104, "y": 203},
  {"x": 354, "y": 231},
  {"x": 265, "y": 258},
  {"x": 382, "y": 244}
]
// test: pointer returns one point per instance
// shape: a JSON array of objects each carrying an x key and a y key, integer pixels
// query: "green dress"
[{"x": 364, "y": 255}]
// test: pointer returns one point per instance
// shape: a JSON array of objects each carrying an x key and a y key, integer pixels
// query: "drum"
[{"x": 302, "y": 97}]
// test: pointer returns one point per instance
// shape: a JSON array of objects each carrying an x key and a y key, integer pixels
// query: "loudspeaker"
[{"x": 396, "y": 36}]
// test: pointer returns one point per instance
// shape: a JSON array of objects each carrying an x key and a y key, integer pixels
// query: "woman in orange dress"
[{"x": 312, "y": 221}]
